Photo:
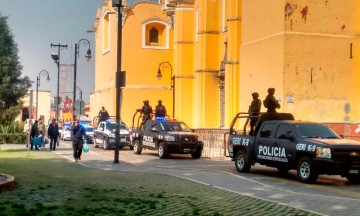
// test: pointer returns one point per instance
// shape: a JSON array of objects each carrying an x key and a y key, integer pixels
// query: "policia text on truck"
[{"x": 280, "y": 141}]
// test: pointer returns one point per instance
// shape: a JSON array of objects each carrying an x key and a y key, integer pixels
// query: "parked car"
[
  {"x": 89, "y": 134},
  {"x": 66, "y": 134},
  {"x": 60, "y": 128}
]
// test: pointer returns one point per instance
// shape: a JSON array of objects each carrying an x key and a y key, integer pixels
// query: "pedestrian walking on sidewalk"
[
  {"x": 42, "y": 131},
  {"x": 34, "y": 133},
  {"x": 78, "y": 139},
  {"x": 26, "y": 131},
  {"x": 53, "y": 132}
]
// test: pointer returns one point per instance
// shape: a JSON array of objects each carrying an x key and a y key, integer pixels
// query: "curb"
[{"x": 6, "y": 182}]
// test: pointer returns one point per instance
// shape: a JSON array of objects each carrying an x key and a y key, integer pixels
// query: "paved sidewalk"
[{"x": 323, "y": 205}]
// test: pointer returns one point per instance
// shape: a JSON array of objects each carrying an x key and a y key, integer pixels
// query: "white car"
[
  {"x": 66, "y": 134},
  {"x": 60, "y": 130}
]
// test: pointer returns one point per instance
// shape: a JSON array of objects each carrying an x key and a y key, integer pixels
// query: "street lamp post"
[
  {"x": 56, "y": 58},
  {"x": 118, "y": 4},
  {"x": 167, "y": 66},
  {"x": 87, "y": 57},
  {"x": 43, "y": 72}
]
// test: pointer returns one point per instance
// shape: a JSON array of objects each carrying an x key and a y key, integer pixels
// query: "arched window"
[{"x": 155, "y": 35}]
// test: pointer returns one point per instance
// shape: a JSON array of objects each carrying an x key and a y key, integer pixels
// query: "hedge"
[{"x": 12, "y": 138}]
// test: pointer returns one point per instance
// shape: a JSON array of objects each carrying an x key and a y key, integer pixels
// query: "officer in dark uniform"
[
  {"x": 103, "y": 115},
  {"x": 254, "y": 110},
  {"x": 270, "y": 101},
  {"x": 160, "y": 110},
  {"x": 146, "y": 110}
]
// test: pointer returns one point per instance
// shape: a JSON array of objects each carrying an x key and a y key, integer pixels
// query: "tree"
[{"x": 12, "y": 86}]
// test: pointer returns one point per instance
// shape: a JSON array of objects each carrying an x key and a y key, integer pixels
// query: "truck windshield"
[
  {"x": 174, "y": 126},
  {"x": 315, "y": 131},
  {"x": 112, "y": 126}
]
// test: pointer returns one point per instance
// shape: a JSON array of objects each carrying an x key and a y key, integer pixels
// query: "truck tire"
[
  {"x": 306, "y": 170},
  {"x": 162, "y": 152},
  {"x": 137, "y": 147},
  {"x": 353, "y": 179},
  {"x": 106, "y": 144},
  {"x": 242, "y": 162},
  {"x": 196, "y": 154}
]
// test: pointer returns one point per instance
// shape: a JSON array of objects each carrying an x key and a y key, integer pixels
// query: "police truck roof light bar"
[{"x": 160, "y": 118}]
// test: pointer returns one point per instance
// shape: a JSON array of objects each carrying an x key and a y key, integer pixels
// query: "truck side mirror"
[{"x": 153, "y": 129}]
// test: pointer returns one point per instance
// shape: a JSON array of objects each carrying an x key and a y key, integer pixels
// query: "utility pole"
[{"x": 56, "y": 59}]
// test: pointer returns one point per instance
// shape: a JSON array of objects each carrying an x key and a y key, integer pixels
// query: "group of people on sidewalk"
[{"x": 37, "y": 132}]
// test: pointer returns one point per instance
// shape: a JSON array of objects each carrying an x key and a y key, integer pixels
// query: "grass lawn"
[{"x": 47, "y": 184}]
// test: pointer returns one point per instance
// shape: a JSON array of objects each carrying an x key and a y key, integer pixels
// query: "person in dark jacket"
[
  {"x": 270, "y": 101},
  {"x": 53, "y": 133},
  {"x": 254, "y": 110},
  {"x": 160, "y": 110},
  {"x": 146, "y": 111},
  {"x": 78, "y": 139},
  {"x": 34, "y": 132},
  {"x": 103, "y": 115}
]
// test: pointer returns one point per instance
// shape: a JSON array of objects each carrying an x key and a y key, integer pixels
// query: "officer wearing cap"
[
  {"x": 254, "y": 111},
  {"x": 270, "y": 101}
]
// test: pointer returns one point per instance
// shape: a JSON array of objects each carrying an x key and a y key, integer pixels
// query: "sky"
[{"x": 35, "y": 24}]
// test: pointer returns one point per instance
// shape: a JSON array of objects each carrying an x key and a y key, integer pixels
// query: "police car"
[
  {"x": 166, "y": 137},
  {"x": 281, "y": 142},
  {"x": 104, "y": 135}
]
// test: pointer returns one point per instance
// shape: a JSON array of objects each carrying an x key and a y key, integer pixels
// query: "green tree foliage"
[{"x": 12, "y": 86}]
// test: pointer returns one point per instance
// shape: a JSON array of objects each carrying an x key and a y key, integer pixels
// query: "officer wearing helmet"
[
  {"x": 270, "y": 101},
  {"x": 254, "y": 111},
  {"x": 160, "y": 110}
]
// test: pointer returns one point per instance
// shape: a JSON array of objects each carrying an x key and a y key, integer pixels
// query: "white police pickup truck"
[
  {"x": 104, "y": 135},
  {"x": 281, "y": 142}
]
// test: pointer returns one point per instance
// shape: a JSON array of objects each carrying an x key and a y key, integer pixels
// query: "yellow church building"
[{"x": 211, "y": 55}]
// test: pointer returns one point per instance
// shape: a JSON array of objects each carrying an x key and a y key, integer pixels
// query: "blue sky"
[{"x": 36, "y": 24}]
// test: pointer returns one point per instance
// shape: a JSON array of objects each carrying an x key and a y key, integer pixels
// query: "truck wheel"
[
  {"x": 106, "y": 144},
  {"x": 242, "y": 163},
  {"x": 353, "y": 179},
  {"x": 306, "y": 170},
  {"x": 95, "y": 143},
  {"x": 196, "y": 154},
  {"x": 162, "y": 152},
  {"x": 137, "y": 147}
]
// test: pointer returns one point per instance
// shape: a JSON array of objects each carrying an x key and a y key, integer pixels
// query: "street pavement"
[{"x": 320, "y": 199}]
